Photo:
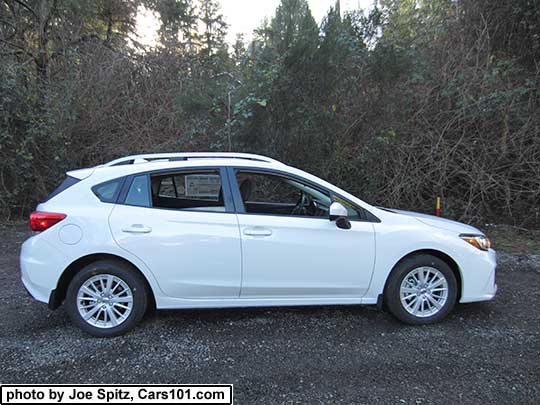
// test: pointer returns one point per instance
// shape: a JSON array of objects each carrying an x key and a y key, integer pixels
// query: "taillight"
[{"x": 41, "y": 221}]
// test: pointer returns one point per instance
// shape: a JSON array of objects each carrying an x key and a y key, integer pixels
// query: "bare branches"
[{"x": 27, "y": 7}]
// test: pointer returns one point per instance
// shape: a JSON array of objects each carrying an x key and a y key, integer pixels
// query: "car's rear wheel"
[
  {"x": 421, "y": 289},
  {"x": 106, "y": 298}
]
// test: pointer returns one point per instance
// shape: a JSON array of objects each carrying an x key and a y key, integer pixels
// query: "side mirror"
[{"x": 339, "y": 214}]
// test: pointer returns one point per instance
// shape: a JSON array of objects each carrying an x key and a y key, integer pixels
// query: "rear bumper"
[
  {"x": 38, "y": 293},
  {"x": 53, "y": 302},
  {"x": 38, "y": 264}
]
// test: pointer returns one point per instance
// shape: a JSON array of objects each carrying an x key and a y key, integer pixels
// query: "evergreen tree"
[
  {"x": 179, "y": 22},
  {"x": 214, "y": 30},
  {"x": 293, "y": 26}
]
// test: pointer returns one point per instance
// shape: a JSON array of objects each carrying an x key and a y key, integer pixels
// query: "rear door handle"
[
  {"x": 137, "y": 228},
  {"x": 257, "y": 231}
]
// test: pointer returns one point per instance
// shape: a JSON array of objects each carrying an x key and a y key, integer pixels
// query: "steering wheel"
[{"x": 301, "y": 207}]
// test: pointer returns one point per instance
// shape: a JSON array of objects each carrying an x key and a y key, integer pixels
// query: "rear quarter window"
[{"x": 108, "y": 192}]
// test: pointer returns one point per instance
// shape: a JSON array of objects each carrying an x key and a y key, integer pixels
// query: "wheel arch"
[
  {"x": 433, "y": 252},
  {"x": 59, "y": 294}
]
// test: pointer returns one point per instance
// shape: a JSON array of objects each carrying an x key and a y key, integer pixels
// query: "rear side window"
[
  {"x": 108, "y": 192},
  {"x": 199, "y": 190},
  {"x": 67, "y": 183}
]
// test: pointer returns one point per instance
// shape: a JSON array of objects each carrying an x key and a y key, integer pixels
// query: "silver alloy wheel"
[
  {"x": 424, "y": 291},
  {"x": 104, "y": 301}
]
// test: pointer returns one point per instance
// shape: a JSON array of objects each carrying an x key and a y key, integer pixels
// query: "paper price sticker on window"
[
  {"x": 118, "y": 394},
  {"x": 202, "y": 185}
]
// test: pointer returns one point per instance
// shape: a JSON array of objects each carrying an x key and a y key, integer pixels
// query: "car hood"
[{"x": 438, "y": 222}]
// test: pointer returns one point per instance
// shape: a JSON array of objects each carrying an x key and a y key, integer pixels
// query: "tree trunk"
[
  {"x": 42, "y": 56},
  {"x": 109, "y": 30}
]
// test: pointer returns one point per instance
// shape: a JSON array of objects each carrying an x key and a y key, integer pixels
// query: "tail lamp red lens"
[{"x": 41, "y": 221}]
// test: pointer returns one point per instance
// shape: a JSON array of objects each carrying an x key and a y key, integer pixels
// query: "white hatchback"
[{"x": 213, "y": 230}]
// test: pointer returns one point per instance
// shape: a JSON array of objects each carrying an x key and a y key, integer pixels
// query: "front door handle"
[
  {"x": 257, "y": 231},
  {"x": 137, "y": 228}
]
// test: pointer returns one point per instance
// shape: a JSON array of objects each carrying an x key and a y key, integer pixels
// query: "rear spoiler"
[{"x": 81, "y": 173}]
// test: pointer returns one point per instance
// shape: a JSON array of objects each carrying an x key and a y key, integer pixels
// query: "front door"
[{"x": 290, "y": 248}]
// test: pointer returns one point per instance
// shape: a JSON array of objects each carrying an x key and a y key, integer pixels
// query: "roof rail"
[{"x": 146, "y": 158}]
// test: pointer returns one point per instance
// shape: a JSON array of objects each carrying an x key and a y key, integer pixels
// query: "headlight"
[{"x": 479, "y": 241}]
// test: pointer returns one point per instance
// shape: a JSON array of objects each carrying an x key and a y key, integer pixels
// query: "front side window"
[
  {"x": 271, "y": 194},
  {"x": 199, "y": 190}
]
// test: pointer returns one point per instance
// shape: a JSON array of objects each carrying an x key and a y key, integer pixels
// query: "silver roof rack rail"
[{"x": 146, "y": 158}]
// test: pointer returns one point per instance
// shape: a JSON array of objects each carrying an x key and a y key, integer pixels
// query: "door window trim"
[{"x": 366, "y": 216}]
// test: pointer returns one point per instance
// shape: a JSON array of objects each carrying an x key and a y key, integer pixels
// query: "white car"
[{"x": 213, "y": 230}]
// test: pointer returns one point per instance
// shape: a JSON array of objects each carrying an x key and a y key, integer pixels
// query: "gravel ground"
[{"x": 485, "y": 352}]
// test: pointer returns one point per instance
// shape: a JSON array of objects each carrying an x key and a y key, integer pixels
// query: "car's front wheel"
[
  {"x": 421, "y": 289},
  {"x": 106, "y": 298}
]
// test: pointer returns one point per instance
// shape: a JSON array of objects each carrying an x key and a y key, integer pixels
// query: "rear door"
[{"x": 182, "y": 224}]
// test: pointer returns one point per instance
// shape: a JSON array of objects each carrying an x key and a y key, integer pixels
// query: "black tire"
[
  {"x": 124, "y": 272},
  {"x": 403, "y": 269}
]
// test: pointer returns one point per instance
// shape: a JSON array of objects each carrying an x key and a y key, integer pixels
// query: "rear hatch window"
[{"x": 67, "y": 183}]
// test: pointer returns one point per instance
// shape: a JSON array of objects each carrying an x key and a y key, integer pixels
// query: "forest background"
[{"x": 408, "y": 101}]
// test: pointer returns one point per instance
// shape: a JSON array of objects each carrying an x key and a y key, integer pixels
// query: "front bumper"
[{"x": 478, "y": 277}]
